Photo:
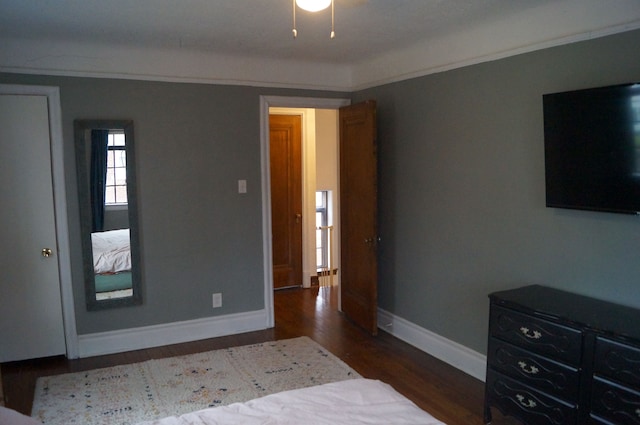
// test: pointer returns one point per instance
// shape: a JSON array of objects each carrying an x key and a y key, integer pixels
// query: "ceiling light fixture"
[{"x": 314, "y": 6}]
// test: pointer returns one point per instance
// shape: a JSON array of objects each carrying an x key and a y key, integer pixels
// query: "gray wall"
[
  {"x": 116, "y": 219},
  {"x": 462, "y": 202},
  {"x": 462, "y": 209},
  {"x": 199, "y": 236}
]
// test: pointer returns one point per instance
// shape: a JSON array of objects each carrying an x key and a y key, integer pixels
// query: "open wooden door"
[
  {"x": 358, "y": 214},
  {"x": 285, "y": 145}
]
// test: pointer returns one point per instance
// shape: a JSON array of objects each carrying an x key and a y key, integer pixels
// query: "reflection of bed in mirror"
[{"x": 112, "y": 263}]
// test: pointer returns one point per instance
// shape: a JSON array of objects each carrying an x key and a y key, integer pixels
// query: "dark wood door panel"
[
  {"x": 285, "y": 133},
  {"x": 358, "y": 218}
]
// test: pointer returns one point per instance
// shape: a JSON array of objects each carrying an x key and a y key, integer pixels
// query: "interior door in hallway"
[
  {"x": 358, "y": 214},
  {"x": 285, "y": 145},
  {"x": 31, "y": 322}
]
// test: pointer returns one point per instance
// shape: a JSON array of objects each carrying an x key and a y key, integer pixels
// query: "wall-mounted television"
[{"x": 592, "y": 149}]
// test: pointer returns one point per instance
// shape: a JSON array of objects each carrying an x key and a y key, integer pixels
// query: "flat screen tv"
[{"x": 592, "y": 149}]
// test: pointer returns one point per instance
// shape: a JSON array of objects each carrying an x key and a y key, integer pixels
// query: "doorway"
[
  {"x": 297, "y": 186},
  {"x": 292, "y": 106}
]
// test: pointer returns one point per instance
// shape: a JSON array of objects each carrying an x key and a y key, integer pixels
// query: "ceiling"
[{"x": 251, "y": 42}]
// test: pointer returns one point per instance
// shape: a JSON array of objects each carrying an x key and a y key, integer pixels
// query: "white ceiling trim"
[
  {"x": 548, "y": 25},
  {"x": 174, "y": 65}
]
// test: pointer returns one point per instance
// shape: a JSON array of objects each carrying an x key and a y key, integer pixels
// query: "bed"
[
  {"x": 111, "y": 251},
  {"x": 352, "y": 402},
  {"x": 111, "y": 260}
]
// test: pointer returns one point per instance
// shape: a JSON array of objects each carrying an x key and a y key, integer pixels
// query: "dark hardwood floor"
[{"x": 447, "y": 393}]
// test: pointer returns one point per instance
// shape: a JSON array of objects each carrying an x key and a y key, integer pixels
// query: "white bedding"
[
  {"x": 111, "y": 251},
  {"x": 351, "y": 402}
]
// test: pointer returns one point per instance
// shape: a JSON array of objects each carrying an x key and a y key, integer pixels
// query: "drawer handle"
[
  {"x": 530, "y": 334},
  {"x": 529, "y": 404},
  {"x": 531, "y": 370}
]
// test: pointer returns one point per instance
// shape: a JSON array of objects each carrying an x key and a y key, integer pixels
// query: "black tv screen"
[{"x": 592, "y": 149}]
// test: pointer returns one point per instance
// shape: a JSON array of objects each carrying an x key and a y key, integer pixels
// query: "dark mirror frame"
[{"x": 82, "y": 129}]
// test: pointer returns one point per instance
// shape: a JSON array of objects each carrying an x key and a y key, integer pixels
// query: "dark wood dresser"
[
  {"x": 1, "y": 393},
  {"x": 559, "y": 358}
]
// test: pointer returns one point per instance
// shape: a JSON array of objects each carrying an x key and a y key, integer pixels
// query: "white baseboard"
[
  {"x": 171, "y": 333},
  {"x": 457, "y": 355}
]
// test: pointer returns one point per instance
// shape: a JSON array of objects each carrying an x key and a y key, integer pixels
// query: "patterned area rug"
[{"x": 157, "y": 388}]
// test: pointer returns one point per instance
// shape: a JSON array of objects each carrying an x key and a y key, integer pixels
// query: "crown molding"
[
  {"x": 77, "y": 59},
  {"x": 550, "y": 24}
]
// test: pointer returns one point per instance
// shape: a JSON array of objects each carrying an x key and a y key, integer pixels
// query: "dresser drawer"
[
  {"x": 594, "y": 420},
  {"x": 615, "y": 403},
  {"x": 538, "y": 335},
  {"x": 525, "y": 403},
  {"x": 547, "y": 375},
  {"x": 620, "y": 362}
]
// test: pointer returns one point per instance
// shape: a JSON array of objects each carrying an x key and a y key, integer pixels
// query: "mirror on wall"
[{"x": 105, "y": 161}]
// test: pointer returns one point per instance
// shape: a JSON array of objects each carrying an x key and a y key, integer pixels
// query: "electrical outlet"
[
  {"x": 217, "y": 300},
  {"x": 242, "y": 186}
]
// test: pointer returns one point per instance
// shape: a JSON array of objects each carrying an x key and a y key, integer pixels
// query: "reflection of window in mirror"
[{"x": 116, "y": 184}]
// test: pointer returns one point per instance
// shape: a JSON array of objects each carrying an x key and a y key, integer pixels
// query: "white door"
[{"x": 31, "y": 320}]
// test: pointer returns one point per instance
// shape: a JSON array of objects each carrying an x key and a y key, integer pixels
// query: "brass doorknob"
[{"x": 47, "y": 252}]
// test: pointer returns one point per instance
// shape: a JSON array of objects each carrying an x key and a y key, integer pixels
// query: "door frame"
[
  {"x": 267, "y": 102},
  {"x": 59, "y": 204}
]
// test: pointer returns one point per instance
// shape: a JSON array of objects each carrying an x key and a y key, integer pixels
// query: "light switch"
[{"x": 242, "y": 186}]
